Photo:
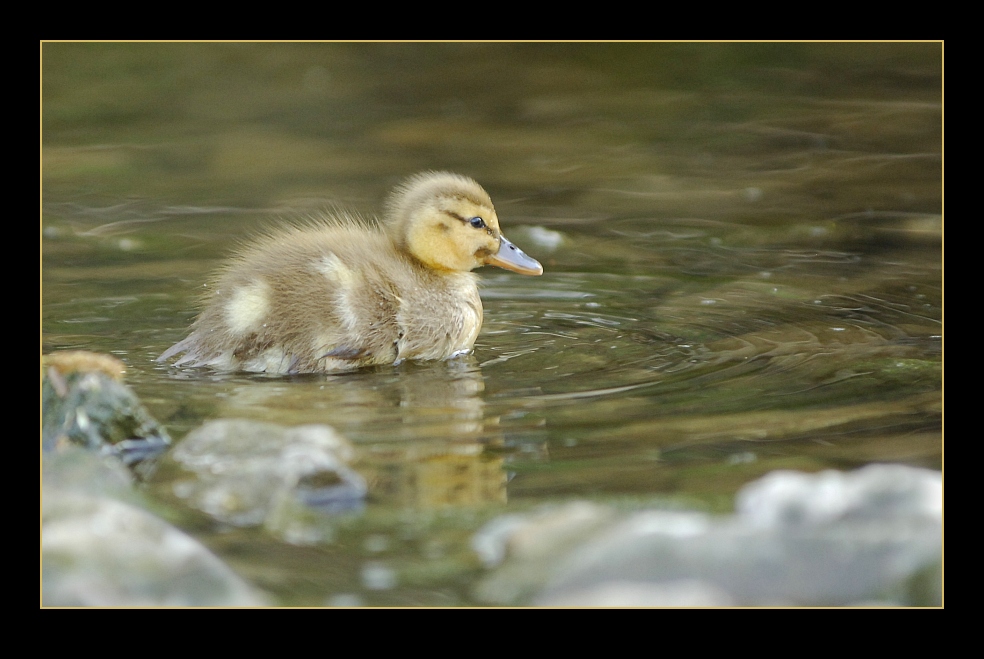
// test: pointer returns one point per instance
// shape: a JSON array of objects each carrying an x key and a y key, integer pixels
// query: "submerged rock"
[
  {"x": 249, "y": 473},
  {"x": 873, "y": 536}
]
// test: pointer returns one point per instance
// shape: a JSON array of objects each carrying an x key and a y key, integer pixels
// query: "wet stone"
[{"x": 84, "y": 402}]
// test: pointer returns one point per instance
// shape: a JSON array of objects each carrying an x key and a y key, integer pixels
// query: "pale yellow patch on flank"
[
  {"x": 340, "y": 274},
  {"x": 248, "y": 308},
  {"x": 346, "y": 282}
]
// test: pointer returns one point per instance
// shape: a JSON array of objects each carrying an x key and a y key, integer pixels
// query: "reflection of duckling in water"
[{"x": 338, "y": 294}]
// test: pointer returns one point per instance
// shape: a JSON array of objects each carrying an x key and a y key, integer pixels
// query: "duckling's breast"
[{"x": 441, "y": 318}]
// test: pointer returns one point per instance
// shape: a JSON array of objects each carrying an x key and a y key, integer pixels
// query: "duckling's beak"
[{"x": 513, "y": 258}]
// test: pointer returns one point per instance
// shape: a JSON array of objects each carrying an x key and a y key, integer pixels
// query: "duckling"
[{"x": 339, "y": 294}]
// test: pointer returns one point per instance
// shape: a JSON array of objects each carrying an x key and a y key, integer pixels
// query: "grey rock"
[
  {"x": 98, "y": 551},
  {"x": 827, "y": 539}
]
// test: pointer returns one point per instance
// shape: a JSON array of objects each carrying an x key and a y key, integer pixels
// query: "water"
[{"x": 742, "y": 246}]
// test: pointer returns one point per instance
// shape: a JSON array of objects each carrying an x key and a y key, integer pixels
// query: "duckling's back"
[{"x": 327, "y": 298}]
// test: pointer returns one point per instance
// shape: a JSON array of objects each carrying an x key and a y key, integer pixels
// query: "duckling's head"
[{"x": 448, "y": 223}]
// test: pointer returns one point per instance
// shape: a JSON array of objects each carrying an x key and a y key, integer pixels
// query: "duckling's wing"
[
  {"x": 185, "y": 345},
  {"x": 193, "y": 357}
]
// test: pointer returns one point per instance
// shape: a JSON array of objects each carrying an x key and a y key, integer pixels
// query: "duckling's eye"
[{"x": 477, "y": 222}]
